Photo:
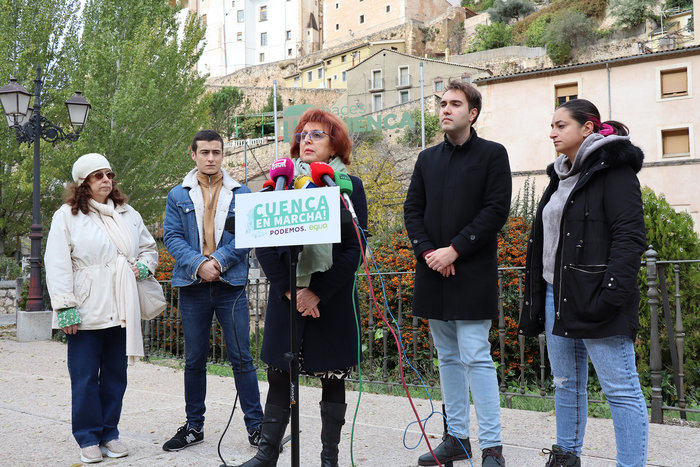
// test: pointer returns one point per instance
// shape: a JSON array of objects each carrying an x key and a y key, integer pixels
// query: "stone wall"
[
  {"x": 10, "y": 291},
  {"x": 258, "y": 95}
]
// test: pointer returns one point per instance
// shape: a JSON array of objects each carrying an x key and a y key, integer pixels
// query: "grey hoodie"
[{"x": 552, "y": 212}]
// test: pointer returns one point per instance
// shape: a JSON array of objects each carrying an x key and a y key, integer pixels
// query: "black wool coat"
[
  {"x": 328, "y": 342},
  {"x": 601, "y": 241},
  {"x": 458, "y": 195}
]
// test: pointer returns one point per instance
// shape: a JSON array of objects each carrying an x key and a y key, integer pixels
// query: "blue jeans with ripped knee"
[{"x": 614, "y": 363}]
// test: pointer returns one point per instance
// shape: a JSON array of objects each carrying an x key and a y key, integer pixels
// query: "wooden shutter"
[
  {"x": 676, "y": 142},
  {"x": 674, "y": 82}
]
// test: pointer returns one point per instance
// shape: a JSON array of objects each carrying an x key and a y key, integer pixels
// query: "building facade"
[
  {"x": 241, "y": 33},
  {"x": 345, "y": 20},
  {"x": 654, "y": 94},
  {"x": 331, "y": 71},
  {"x": 389, "y": 78}
]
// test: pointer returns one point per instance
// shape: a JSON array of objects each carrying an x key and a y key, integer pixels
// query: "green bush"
[
  {"x": 590, "y": 8},
  {"x": 559, "y": 53},
  {"x": 477, "y": 5},
  {"x": 569, "y": 29},
  {"x": 673, "y": 237},
  {"x": 504, "y": 11},
  {"x": 492, "y": 36},
  {"x": 534, "y": 35},
  {"x": 630, "y": 13},
  {"x": 9, "y": 268},
  {"x": 411, "y": 135}
]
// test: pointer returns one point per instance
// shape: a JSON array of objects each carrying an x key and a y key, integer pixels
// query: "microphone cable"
[{"x": 398, "y": 344}]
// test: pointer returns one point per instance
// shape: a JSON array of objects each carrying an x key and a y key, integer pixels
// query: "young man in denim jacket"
[{"x": 211, "y": 274}]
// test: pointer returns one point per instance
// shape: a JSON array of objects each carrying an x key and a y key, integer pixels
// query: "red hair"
[{"x": 338, "y": 132}]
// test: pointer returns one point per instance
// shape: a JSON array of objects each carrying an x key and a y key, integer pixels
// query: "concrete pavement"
[{"x": 35, "y": 425}]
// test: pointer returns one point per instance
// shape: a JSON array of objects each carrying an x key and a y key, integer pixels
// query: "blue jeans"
[
  {"x": 614, "y": 362},
  {"x": 464, "y": 354},
  {"x": 198, "y": 303},
  {"x": 97, "y": 368}
]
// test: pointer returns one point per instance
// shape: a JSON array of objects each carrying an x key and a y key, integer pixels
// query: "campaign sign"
[{"x": 290, "y": 217}]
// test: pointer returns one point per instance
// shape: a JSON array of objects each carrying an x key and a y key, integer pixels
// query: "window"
[
  {"x": 343, "y": 58},
  {"x": 676, "y": 142},
  {"x": 376, "y": 82},
  {"x": 263, "y": 38},
  {"x": 376, "y": 102},
  {"x": 288, "y": 36},
  {"x": 344, "y": 76},
  {"x": 336, "y": 6},
  {"x": 439, "y": 86},
  {"x": 404, "y": 79},
  {"x": 388, "y": 8},
  {"x": 233, "y": 3},
  {"x": 262, "y": 58},
  {"x": 289, "y": 52},
  {"x": 309, "y": 76},
  {"x": 565, "y": 92},
  {"x": 337, "y": 26},
  {"x": 319, "y": 73},
  {"x": 204, "y": 20},
  {"x": 674, "y": 83},
  {"x": 403, "y": 97},
  {"x": 467, "y": 78},
  {"x": 362, "y": 19},
  {"x": 328, "y": 62},
  {"x": 240, "y": 16},
  {"x": 239, "y": 36},
  {"x": 263, "y": 13}
]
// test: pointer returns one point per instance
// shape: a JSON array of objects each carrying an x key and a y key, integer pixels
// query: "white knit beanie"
[{"x": 87, "y": 164}]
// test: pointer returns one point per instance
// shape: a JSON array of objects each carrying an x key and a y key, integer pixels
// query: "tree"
[
  {"x": 146, "y": 97},
  {"x": 412, "y": 135},
  {"x": 492, "y": 36},
  {"x": 222, "y": 109},
  {"x": 269, "y": 105},
  {"x": 680, "y": 4},
  {"x": 31, "y": 34},
  {"x": 569, "y": 29},
  {"x": 534, "y": 34},
  {"x": 504, "y": 11},
  {"x": 630, "y": 13},
  {"x": 477, "y": 5}
]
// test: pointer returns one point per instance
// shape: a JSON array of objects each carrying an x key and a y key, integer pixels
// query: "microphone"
[
  {"x": 269, "y": 185},
  {"x": 324, "y": 175},
  {"x": 303, "y": 182},
  {"x": 282, "y": 172}
]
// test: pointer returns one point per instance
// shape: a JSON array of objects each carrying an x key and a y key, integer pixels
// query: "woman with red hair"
[{"x": 327, "y": 319}]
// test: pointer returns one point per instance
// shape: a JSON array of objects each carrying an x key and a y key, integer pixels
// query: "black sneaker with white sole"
[{"x": 184, "y": 437}]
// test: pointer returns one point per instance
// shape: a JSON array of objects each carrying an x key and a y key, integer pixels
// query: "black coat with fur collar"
[{"x": 599, "y": 253}]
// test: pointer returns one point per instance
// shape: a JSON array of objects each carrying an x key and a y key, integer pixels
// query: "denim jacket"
[{"x": 183, "y": 227}]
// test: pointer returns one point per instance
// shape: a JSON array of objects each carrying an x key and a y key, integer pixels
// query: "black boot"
[
  {"x": 273, "y": 426},
  {"x": 332, "y": 421},
  {"x": 559, "y": 458},
  {"x": 449, "y": 450}
]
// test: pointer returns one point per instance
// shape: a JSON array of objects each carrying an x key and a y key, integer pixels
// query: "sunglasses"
[
  {"x": 316, "y": 135},
  {"x": 99, "y": 175}
]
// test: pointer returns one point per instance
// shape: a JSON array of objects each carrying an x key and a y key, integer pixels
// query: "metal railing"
[
  {"x": 516, "y": 357},
  {"x": 375, "y": 84}
]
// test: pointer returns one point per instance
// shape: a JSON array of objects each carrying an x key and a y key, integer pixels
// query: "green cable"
[{"x": 359, "y": 364}]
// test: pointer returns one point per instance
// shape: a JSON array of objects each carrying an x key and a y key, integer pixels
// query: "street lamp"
[{"x": 31, "y": 127}]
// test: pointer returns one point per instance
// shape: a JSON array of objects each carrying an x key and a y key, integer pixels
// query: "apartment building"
[
  {"x": 241, "y": 33},
  {"x": 345, "y": 20},
  {"x": 654, "y": 94}
]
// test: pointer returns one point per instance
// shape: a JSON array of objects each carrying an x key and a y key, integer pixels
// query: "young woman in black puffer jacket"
[{"x": 581, "y": 278}]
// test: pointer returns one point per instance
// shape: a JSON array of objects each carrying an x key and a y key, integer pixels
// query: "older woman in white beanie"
[{"x": 97, "y": 248}]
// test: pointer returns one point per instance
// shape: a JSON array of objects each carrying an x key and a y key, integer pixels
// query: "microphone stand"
[{"x": 293, "y": 355}]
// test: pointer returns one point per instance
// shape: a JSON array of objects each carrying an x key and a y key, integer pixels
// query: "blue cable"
[{"x": 404, "y": 355}]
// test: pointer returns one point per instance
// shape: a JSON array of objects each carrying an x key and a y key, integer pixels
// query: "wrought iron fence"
[{"x": 519, "y": 360}]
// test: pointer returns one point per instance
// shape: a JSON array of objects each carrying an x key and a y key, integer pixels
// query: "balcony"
[
  {"x": 403, "y": 81},
  {"x": 375, "y": 84}
]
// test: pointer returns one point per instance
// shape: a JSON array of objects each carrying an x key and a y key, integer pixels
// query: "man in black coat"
[{"x": 457, "y": 202}]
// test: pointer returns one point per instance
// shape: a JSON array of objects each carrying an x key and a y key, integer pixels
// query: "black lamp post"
[{"x": 30, "y": 127}]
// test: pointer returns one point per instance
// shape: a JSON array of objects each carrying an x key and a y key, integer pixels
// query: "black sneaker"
[
  {"x": 254, "y": 437},
  {"x": 449, "y": 450},
  {"x": 559, "y": 458},
  {"x": 493, "y": 457},
  {"x": 184, "y": 437}
]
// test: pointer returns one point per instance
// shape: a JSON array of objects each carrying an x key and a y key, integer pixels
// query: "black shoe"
[
  {"x": 559, "y": 458},
  {"x": 254, "y": 437},
  {"x": 449, "y": 450},
  {"x": 184, "y": 437},
  {"x": 271, "y": 433},
  {"x": 493, "y": 457},
  {"x": 332, "y": 421}
]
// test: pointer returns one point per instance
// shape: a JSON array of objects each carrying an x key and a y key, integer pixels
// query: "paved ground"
[{"x": 35, "y": 422}]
